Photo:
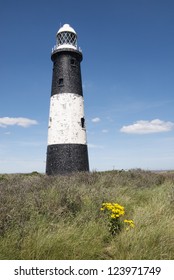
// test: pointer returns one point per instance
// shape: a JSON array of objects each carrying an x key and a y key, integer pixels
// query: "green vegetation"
[{"x": 59, "y": 217}]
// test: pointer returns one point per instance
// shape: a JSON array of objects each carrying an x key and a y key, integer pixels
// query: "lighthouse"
[{"x": 67, "y": 145}]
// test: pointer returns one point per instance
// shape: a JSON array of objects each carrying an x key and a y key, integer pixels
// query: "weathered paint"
[
  {"x": 66, "y": 158},
  {"x": 66, "y": 71},
  {"x": 66, "y": 121}
]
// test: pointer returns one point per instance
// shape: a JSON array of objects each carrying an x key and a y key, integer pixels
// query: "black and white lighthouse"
[{"x": 67, "y": 146}]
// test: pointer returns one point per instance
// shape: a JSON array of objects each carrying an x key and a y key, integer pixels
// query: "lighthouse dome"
[
  {"x": 66, "y": 28},
  {"x": 66, "y": 37}
]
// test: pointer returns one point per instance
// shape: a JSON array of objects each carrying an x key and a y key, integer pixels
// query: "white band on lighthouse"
[{"x": 66, "y": 122}]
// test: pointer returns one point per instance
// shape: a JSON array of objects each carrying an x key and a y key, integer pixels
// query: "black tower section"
[
  {"x": 66, "y": 72},
  {"x": 66, "y": 158}
]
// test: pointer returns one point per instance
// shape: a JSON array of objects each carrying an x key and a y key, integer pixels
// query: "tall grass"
[{"x": 59, "y": 217}]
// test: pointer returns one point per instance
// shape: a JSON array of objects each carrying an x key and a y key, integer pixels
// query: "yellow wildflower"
[{"x": 130, "y": 222}]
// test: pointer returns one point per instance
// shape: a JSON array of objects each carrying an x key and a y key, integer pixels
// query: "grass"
[{"x": 59, "y": 217}]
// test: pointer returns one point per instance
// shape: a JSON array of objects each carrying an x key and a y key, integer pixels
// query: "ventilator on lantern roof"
[{"x": 66, "y": 37}]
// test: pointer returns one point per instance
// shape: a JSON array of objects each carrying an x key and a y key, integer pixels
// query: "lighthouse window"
[
  {"x": 83, "y": 122},
  {"x": 60, "y": 82},
  {"x": 73, "y": 62}
]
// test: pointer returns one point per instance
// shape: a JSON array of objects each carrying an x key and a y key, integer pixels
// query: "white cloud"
[
  {"x": 145, "y": 127},
  {"x": 105, "y": 131},
  {"x": 95, "y": 120},
  {"x": 24, "y": 122}
]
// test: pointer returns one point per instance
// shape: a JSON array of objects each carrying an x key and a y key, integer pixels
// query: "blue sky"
[{"x": 127, "y": 73}]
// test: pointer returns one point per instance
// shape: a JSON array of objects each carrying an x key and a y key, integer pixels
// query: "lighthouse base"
[{"x": 66, "y": 158}]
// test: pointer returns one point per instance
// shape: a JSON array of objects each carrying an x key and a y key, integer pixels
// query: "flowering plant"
[{"x": 115, "y": 211}]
